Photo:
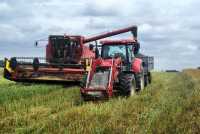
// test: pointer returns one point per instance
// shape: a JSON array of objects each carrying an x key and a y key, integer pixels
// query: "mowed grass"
[{"x": 171, "y": 104}]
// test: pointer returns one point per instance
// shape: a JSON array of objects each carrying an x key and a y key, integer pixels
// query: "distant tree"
[{"x": 171, "y": 71}]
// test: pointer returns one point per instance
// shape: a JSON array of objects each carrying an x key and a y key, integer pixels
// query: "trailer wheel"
[
  {"x": 127, "y": 84},
  {"x": 149, "y": 77},
  {"x": 146, "y": 80}
]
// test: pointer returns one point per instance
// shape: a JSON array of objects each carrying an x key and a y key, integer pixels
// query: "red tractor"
[
  {"x": 67, "y": 59},
  {"x": 118, "y": 70}
]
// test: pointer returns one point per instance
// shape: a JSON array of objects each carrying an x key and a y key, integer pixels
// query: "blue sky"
[{"x": 168, "y": 30}]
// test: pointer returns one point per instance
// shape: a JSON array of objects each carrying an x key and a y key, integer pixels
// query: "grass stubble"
[{"x": 171, "y": 104}]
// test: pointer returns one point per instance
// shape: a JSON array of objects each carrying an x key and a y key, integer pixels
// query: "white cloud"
[
  {"x": 4, "y": 7},
  {"x": 168, "y": 29},
  {"x": 10, "y": 33}
]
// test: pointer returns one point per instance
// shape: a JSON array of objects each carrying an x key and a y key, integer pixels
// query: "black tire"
[
  {"x": 149, "y": 77},
  {"x": 140, "y": 81},
  {"x": 36, "y": 64},
  {"x": 84, "y": 97},
  {"x": 13, "y": 63},
  {"x": 146, "y": 80},
  {"x": 127, "y": 84}
]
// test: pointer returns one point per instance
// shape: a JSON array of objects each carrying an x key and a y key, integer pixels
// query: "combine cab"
[
  {"x": 119, "y": 70},
  {"x": 67, "y": 59}
]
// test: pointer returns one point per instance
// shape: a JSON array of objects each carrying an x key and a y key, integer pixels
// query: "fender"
[{"x": 136, "y": 65}]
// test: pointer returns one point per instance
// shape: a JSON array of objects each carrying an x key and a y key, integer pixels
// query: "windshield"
[
  {"x": 112, "y": 51},
  {"x": 65, "y": 50}
]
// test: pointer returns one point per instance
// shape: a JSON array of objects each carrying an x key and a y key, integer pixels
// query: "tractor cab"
[
  {"x": 126, "y": 49},
  {"x": 64, "y": 49}
]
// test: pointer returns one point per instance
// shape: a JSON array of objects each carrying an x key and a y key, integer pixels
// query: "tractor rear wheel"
[
  {"x": 127, "y": 84},
  {"x": 140, "y": 81}
]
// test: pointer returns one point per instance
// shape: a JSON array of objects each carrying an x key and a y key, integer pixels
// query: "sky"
[{"x": 168, "y": 30}]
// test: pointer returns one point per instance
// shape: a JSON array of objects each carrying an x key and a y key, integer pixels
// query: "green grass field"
[{"x": 171, "y": 104}]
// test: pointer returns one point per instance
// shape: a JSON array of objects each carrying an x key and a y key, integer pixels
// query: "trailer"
[{"x": 148, "y": 65}]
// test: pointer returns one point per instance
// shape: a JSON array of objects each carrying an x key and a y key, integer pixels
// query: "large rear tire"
[
  {"x": 127, "y": 84},
  {"x": 140, "y": 81}
]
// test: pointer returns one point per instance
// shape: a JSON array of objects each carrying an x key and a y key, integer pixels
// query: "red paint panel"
[
  {"x": 87, "y": 53},
  {"x": 56, "y": 70},
  {"x": 66, "y": 70},
  {"x": 136, "y": 66},
  {"x": 106, "y": 63}
]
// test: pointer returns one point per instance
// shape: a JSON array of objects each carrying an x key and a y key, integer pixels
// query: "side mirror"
[{"x": 136, "y": 48}]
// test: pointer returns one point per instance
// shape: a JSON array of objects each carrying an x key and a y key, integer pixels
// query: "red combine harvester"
[
  {"x": 119, "y": 70},
  {"x": 67, "y": 59}
]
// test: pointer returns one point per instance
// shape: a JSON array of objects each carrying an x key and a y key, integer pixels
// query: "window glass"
[{"x": 110, "y": 51}]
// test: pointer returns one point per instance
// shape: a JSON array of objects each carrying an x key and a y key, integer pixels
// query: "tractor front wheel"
[{"x": 127, "y": 84}]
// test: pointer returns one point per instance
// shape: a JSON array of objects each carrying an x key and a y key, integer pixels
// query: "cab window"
[{"x": 111, "y": 51}]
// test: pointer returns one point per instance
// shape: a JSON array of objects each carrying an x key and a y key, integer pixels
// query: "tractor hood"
[{"x": 108, "y": 62}]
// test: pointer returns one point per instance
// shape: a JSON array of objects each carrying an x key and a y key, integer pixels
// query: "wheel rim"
[
  {"x": 132, "y": 92},
  {"x": 142, "y": 83}
]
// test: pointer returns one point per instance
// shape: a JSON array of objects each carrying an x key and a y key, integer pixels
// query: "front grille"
[{"x": 99, "y": 80}]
